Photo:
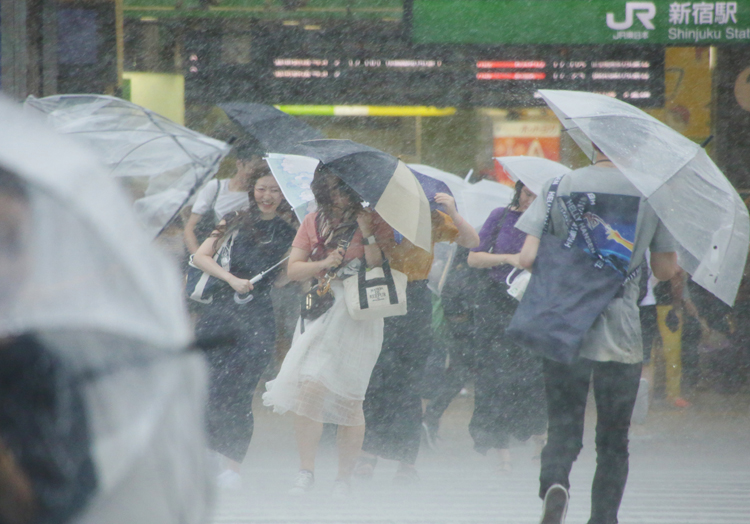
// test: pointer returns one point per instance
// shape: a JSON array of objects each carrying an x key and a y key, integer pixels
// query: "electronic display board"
[{"x": 317, "y": 71}]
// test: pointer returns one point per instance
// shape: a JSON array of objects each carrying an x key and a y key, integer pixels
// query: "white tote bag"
[
  {"x": 376, "y": 293},
  {"x": 517, "y": 286}
]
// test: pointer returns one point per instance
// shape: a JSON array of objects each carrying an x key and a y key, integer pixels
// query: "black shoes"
[{"x": 555, "y": 505}]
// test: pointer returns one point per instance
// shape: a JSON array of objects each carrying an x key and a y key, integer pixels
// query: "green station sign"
[
  {"x": 266, "y": 9},
  {"x": 570, "y": 22}
]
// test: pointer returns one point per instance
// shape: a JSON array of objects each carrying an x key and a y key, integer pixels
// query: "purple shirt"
[{"x": 508, "y": 241}]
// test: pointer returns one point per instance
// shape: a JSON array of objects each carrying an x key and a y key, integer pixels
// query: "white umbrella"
[
  {"x": 533, "y": 171},
  {"x": 99, "y": 296},
  {"x": 132, "y": 141},
  {"x": 693, "y": 198}
]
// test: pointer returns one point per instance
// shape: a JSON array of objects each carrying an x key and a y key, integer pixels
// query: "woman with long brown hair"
[
  {"x": 239, "y": 338},
  {"x": 324, "y": 376}
]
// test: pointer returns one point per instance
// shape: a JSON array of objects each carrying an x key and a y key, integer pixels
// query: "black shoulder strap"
[
  {"x": 215, "y": 198},
  {"x": 551, "y": 195}
]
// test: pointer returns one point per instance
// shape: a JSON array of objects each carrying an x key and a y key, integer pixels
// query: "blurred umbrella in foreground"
[
  {"x": 533, "y": 171},
  {"x": 268, "y": 128},
  {"x": 104, "y": 417},
  {"x": 688, "y": 192},
  {"x": 383, "y": 181},
  {"x": 475, "y": 202},
  {"x": 132, "y": 141}
]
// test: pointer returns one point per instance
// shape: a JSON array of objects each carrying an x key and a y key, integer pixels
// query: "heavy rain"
[{"x": 374, "y": 261}]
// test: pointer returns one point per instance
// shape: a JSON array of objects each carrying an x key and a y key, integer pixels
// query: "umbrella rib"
[
  {"x": 149, "y": 115},
  {"x": 119, "y": 130},
  {"x": 135, "y": 149}
]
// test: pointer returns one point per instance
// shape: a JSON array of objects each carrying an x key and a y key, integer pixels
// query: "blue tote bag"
[{"x": 568, "y": 290}]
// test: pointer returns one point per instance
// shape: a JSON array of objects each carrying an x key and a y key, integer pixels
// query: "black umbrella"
[
  {"x": 269, "y": 129},
  {"x": 380, "y": 179}
]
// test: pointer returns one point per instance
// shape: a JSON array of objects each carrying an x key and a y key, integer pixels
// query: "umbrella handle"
[{"x": 239, "y": 299}]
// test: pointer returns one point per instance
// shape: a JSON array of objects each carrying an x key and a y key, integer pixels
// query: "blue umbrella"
[{"x": 432, "y": 186}]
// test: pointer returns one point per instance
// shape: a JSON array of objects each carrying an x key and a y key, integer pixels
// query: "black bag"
[
  {"x": 316, "y": 302},
  {"x": 320, "y": 298},
  {"x": 568, "y": 290},
  {"x": 466, "y": 294}
]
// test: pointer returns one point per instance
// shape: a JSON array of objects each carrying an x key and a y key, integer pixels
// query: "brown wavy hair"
[{"x": 322, "y": 193}]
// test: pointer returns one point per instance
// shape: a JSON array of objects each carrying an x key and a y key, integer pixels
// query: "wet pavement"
[{"x": 687, "y": 467}]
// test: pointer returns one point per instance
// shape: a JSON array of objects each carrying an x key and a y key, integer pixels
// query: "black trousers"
[
  {"x": 446, "y": 383},
  {"x": 242, "y": 343},
  {"x": 508, "y": 385},
  {"x": 393, "y": 404},
  {"x": 615, "y": 389}
]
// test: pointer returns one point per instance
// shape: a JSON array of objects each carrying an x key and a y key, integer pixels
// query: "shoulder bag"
[
  {"x": 320, "y": 298},
  {"x": 199, "y": 285},
  {"x": 567, "y": 291},
  {"x": 375, "y": 293}
]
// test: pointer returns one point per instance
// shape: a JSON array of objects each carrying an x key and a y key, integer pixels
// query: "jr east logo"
[{"x": 644, "y": 11}]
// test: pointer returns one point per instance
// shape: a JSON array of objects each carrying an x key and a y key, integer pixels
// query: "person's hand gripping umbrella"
[{"x": 244, "y": 299}]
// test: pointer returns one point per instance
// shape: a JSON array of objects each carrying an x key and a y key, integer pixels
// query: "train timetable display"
[
  {"x": 354, "y": 70},
  {"x": 636, "y": 77},
  {"x": 488, "y": 78}
]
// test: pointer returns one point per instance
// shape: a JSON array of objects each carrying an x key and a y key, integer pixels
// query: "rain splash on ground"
[{"x": 687, "y": 467}]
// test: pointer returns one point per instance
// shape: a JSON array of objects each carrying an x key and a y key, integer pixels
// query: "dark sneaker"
[{"x": 555, "y": 505}]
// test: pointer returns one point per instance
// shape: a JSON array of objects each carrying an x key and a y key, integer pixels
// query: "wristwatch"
[{"x": 369, "y": 240}]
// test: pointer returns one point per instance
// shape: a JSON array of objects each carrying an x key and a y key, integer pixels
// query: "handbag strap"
[
  {"x": 214, "y": 200},
  {"x": 388, "y": 277},
  {"x": 342, "y": 244}
]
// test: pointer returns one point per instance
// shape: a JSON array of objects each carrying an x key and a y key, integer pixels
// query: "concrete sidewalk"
[{"x": 687, "y": 467}]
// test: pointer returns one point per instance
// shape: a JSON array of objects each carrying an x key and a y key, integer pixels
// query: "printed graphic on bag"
[
  {"x": 378, "y": 295},
  {"x": 612, "y": 220}
]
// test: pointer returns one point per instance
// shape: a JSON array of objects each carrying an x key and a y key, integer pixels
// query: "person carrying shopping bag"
[{"x": 325, "y": 374}]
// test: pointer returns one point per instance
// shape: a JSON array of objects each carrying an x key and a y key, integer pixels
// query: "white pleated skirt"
[{"x": 326, "y": 372}]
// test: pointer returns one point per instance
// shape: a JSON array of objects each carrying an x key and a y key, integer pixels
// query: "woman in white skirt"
[{"x": 325, "y": 374}]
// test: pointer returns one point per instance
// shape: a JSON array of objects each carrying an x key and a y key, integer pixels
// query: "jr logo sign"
[{"x": 645, "y": 11}]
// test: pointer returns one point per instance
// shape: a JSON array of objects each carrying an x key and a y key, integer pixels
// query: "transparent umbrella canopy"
[
  {"x": 688, "y": 192},
  {"x": 172, "y": 160},
  {"x": 96, "y": 293},
  {"x": 531, "y": 170}
]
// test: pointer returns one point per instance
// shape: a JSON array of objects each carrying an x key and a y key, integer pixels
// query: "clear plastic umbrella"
[
  {"x": 533, "y": 171},
  {"x": 172, "y": 160},
  {"x": 687, "y": 190},
  {"x": 101, "y": 299}
]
